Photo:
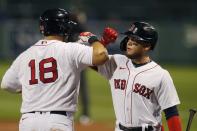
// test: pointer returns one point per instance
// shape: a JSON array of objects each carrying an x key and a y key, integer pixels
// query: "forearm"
[
  {"x": 173, "y": 119},
  {"x": 100, "y": 54},
  {"x": 174, "y": 123}
]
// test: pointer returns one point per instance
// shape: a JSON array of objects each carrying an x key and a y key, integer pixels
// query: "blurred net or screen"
[{"x": 175, "y": 21}]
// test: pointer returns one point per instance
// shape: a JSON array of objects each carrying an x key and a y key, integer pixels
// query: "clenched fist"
[{"x": 109, "y": 36}]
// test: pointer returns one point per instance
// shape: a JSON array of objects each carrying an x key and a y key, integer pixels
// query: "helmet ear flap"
[
  {"x": 123, "y": 44},
  {"x": 41, "y": 29},
  {"x": 71, "y": 27}
]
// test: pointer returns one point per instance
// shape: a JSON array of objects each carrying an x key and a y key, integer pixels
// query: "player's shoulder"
[
  {"x": 52, "y": 44},
  {"x": 77, "y": 45},
  {"x": 120, "y": 59},
  {"x": 61, "y": 45},
  {"x": 165, "y": 74},
  {"x": 58, "y": 44},
  {"x": 28, "y": 52},
  {"x": 165, "y": 71},
  {"x": 160, "y": 68},
  {"x": 20, "y": 58}
]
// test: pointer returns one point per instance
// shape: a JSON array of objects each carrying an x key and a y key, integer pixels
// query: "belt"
[
  {"x": 51, "y": 112},
  {"x": 149, "y": 128}
]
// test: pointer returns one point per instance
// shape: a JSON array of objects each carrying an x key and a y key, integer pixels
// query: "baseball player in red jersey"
[
  {"x": 141, "y": 89},
  {"x": 48, "y": 73}
]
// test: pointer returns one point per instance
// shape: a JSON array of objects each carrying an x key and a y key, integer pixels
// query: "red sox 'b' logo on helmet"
[{"x": 133, "y": 28}]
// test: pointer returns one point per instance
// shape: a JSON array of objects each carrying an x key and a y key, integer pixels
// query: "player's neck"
[
  {"x": 60, "y": 38},
  {"x": 142, "y": 60}
]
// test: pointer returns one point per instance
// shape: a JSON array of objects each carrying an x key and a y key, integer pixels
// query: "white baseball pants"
[{"x": 46, "y": 122}]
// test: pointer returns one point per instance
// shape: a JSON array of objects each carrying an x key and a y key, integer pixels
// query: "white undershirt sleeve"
[{"x": 108, "y": 68}]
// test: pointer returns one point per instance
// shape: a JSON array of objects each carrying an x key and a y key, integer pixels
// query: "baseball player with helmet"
[
  {"x": 141, "y": 88},
  {"x": 48, "y": 73}
]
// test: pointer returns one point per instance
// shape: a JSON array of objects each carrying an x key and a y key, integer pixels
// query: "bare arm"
[
  {"x": 107, "y": 69},
  {"x": 100, "y": 54}
]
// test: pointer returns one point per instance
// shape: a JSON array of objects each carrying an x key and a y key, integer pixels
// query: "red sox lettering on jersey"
[
  {"x": 119, "y": 84},
  {"x": 138, "y": 88},
  {"x": 136, "y": 95},
  {"x": 142, "y": 90}
]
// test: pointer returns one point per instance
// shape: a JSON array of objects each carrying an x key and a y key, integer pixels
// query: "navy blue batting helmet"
[
  {"x": 56, "y": 22},
  {"x": 141, "y": 32}
]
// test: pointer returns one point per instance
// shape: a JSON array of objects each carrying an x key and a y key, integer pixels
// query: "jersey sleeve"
[
  {"x": 82, "y": 55},
  {"x": 108, "y": 68},
  {"x": 10, "y": 81},
  {"x": 166, "y": 93}
]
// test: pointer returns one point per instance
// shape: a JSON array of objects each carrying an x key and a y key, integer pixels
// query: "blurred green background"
[
  {"x": 101, "y": 108},
  {"x": 175, "y": 21}
]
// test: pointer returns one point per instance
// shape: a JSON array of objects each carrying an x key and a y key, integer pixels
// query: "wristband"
[{"x": 92, "y": 39}]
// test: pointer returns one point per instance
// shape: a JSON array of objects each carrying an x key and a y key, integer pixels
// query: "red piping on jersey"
[
  {"x": 134, "y": 81},
  {"x": 142, "y": 72},
  {"x": 126, "y": 88}
]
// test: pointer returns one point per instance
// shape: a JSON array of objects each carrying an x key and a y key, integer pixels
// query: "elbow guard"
[{"x": 123, "y": 44}]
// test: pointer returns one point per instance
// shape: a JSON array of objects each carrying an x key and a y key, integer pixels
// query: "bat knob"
[
  {"x": 192, "y": 113},
  {"x": 192, "y": 110}
]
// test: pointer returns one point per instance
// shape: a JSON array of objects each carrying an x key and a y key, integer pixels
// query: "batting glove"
[
  {"x": 109, "y": 36},
  {"x": 87, "y": 38}
]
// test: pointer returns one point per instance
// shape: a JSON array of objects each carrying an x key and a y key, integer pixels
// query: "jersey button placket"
[{"x": 128, "y": 108}]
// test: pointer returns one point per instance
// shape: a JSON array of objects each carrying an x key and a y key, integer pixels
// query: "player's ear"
[{"x": 147, "y": 47}]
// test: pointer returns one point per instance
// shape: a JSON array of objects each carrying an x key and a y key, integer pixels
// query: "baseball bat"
[{"x": 191, "y": 116}]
